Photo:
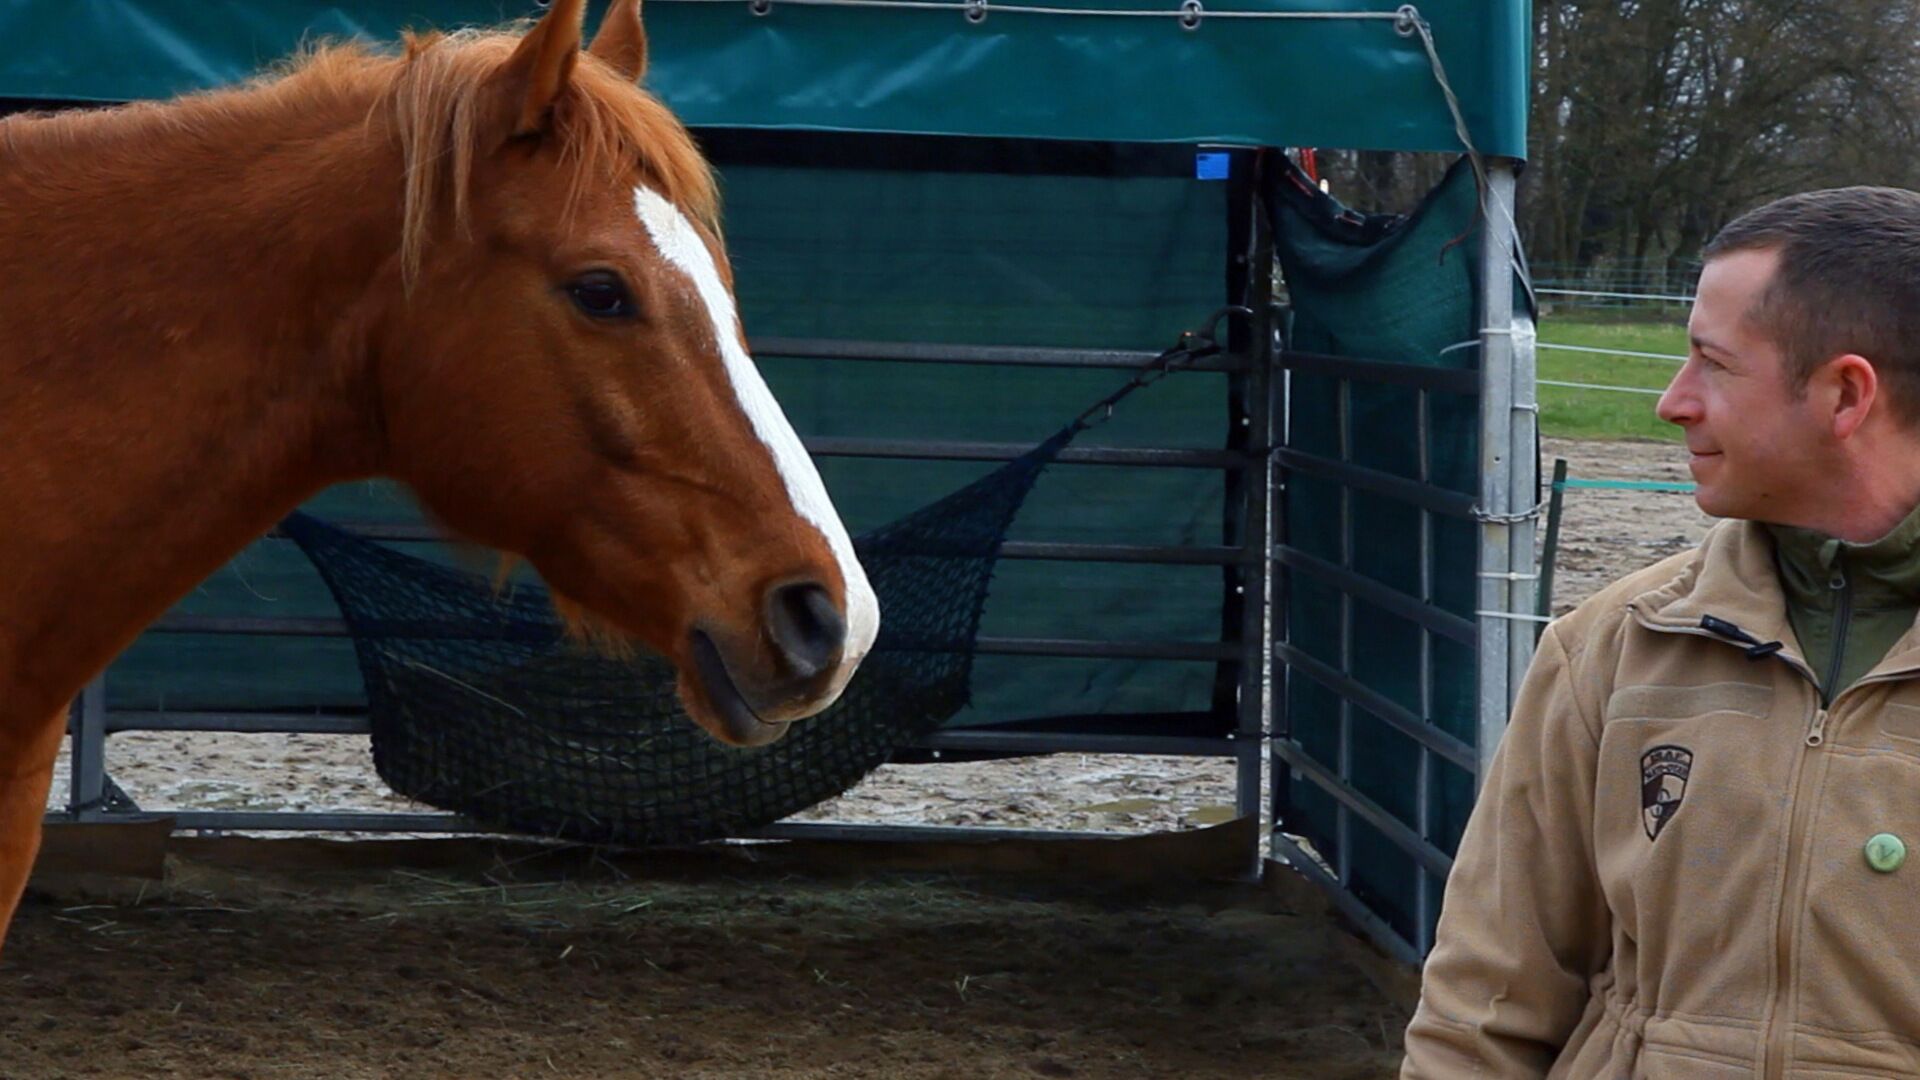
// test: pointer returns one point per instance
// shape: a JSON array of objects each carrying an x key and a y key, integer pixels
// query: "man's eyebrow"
[{"x": 1703, "y": 344}]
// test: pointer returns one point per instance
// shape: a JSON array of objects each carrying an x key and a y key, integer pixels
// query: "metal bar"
[
  {"x": 248, "y": 723},
  {"x": 938, "y": 450},
  {"x": 1496, "y": 536},
  {"x": 1250, "y": 284},
  {"x": 377, "y": 821},
  {"x": 1423, "y": 776},
  {"x": 1523, "y": 487},
  {"x": 1550, "y": 547},
  {"x": 1384, "y": 597},
  {"x": 1343, "y": 745},
  {"x": 401, "y": 531},
  {"x": 1294, "y": 857},
  {"x": 1423, "y": 828},
  {"x": 1130, "y": 553},
  {"x": 1256, "y": 658},
  {"x": 1031, "y": 742},
  {"x": 1043, "y": 742},
  {"x": 87, "y": 727},
  {"x": 1197, "y": 555},
  {"x": 1279, "y": 581},
  {"x": 263, "y": 625},
  {"x": 1440, "y": 500},
  {"x": 999, "y": 646},
  {"x": 1008, "y": 355},
  {"x": 1616, "y": 295},
  {"x": 1396, "y": 716},
  {"x": 1437, "y": 379},
  {"x": 317, "y": 821},
  {"x": 1223, "y": 650},
  {"x": 1353, "y": 802},
  {"x": 950, "y": 834}
]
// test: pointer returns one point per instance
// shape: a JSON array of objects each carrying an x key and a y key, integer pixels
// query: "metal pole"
[
  {"x": 1525, "y": 480},
  {"x": 1423, "y": 899},
  {"x": 1343, "y": 753},
  {"x": 1279, "y": 721},
  {"x": 1499, "y": 470},
  {"x": 87, "y": 727},
  {"x": 1256, "y": 657},
  {"x": 1549, "y": 549}
]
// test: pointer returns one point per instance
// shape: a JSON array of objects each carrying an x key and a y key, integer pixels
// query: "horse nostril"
[{"x": 806, "y": 627}]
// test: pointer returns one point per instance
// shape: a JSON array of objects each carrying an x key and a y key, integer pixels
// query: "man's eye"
[{"x": 602, "y": 295}]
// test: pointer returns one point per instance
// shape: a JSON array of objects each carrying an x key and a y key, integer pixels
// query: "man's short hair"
[{"x": 1848, "y": 281}]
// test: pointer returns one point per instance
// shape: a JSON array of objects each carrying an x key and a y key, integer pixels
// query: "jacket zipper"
[
  {"x": 1792, "y": 900},
  {"x": 1787, "y": 923},
  {"x": 1842, "y": 621}
]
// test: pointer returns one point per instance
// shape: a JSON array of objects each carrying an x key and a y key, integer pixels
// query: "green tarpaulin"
[
  {"x": 1000, "y": 255},
  {"x": 1325, "y": 80}
]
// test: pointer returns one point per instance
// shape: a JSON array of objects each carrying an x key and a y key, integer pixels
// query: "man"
[{"x": 1689, "y": 856}]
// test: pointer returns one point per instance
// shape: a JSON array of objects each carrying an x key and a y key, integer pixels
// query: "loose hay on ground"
[{"x": 757, "y": 972}]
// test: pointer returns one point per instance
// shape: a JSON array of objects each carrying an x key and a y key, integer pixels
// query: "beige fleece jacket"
[{"x": 1680, "y": 864}]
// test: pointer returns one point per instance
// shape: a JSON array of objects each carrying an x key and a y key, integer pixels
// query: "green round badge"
[{"x": 1885, "y": 853}]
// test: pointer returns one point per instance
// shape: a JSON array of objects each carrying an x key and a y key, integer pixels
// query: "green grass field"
[{"x": 1566, "y": 412}]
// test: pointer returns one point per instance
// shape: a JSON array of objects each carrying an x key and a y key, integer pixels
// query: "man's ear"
[
  {"x": 533, "y": 77},
  {"x": 1855, "y": 387}
]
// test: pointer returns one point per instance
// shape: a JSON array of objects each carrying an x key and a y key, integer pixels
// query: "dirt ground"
[
  {"x": 737, "y": 972},
  {"x": 749, "y": 972},
  {"x": 1604, "y": 534}
]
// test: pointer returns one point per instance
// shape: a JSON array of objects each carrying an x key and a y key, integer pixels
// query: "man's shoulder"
[{"x": 1603, "y": 613}]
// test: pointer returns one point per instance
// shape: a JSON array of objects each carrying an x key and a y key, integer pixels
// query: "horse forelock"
[{"x": 604, "y": 127}]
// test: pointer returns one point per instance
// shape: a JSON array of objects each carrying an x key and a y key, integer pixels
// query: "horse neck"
[{"x": 181, "y": 355}]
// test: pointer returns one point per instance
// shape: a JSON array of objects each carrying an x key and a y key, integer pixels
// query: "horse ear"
[
  {"x": 540, "y": 67},
  {"x": 622, "y": 41}
]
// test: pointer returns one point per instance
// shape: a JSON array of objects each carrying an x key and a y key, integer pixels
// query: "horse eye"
[{"x": 602, "y": 295}]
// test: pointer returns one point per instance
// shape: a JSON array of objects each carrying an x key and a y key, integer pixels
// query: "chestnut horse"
[{"x": 489, "y": 268}]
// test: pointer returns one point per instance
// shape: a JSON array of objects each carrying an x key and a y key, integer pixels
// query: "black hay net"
[{"x": 482, "y": 704}]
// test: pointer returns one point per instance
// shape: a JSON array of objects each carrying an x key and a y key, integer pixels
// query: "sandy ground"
[
  {"x": 258, "y": 974},
  {"x": 1604, "y": 534}
]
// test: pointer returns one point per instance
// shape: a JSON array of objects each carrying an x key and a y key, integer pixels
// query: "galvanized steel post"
[{"x": 1508, "y": 416}]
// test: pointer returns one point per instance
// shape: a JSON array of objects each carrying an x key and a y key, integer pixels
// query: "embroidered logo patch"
[{"x": 1663, "y": 783}]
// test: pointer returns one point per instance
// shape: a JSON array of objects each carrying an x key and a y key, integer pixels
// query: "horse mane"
[
  {"x": 604, "y": 124},
  {"x": 436, "y": 95}
]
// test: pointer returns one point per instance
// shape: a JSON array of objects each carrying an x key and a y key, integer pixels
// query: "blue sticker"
[{"x": 1211, "y": 166}]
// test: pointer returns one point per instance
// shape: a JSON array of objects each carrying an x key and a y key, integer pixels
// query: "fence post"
[{"x": 87, "y": 727}]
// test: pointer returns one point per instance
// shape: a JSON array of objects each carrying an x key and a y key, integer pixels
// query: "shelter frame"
[
  {"x": 1505, "y": 625},
  {"x": 1483, "y": 42}
]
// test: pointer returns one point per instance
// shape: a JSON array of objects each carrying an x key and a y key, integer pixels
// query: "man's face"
[{"x": 1756, "y": 450}]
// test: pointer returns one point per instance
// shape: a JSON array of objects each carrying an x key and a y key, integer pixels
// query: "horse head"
[{"x": 564, "y": 375}]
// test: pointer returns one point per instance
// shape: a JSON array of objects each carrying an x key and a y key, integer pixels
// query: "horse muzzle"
[{"x": 796, "y": 670}]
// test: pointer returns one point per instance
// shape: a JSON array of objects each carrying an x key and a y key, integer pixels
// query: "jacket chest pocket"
[
  {"x": 1901, "y": 725},
  {"x": 1674, "y": 752},
  {"x": 1695, "y": 702},
  {"x": 1689, "y": 810}
]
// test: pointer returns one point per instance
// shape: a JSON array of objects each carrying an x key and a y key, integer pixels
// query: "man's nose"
[{"x": 1678, "y": 404}]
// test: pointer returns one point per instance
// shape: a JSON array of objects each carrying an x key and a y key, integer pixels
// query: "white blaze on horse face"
[{"x": 682, "y": 246}]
